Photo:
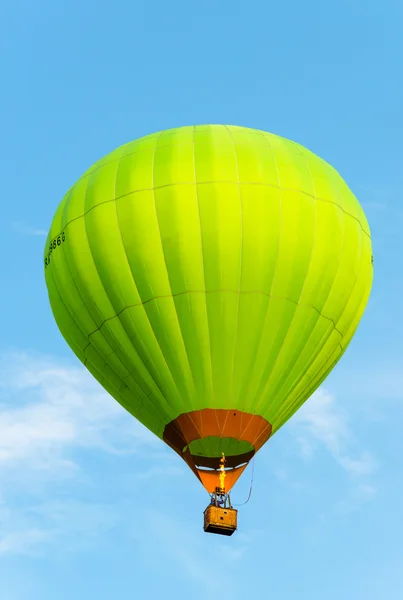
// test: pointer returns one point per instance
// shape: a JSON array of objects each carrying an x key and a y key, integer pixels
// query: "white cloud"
[
  {"x": 47, "y": 410},
  {"x": 379, "y": 382},
  {"x": 50, "y": 416},
  {"x": 29, "y": 530},
  {"x": 162, "y": 470},
  {"x": 23, "y": 542},
  {"x": 364, "y": 465},
  {"x": 28, "y": 230},
  {"x": 197, "y": 555},
  {"x": 365, "y": 492},
  {"x": 320, "y": 421}
]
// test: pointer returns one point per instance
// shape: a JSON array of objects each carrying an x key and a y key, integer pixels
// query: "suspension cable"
[{"x": 251, "y": 485}]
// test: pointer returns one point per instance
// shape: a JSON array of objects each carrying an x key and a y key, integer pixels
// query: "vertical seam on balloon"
[
  {"x": 141, "y": 361},
  {"x": 116, "y": 393},
  {"x": 195, "y": 391},
  {"x": 345, "y": 212},
  {"x": 112, "y": 304},
  {"x": 309, "y": 364},
  {"x": 107, "y": 363},
  {"x": 338, "y": 265},
  {"x": 147, "y": 400},
  {"x": 240, "y": 265},
  {"x": 51, "y": 275},
  {"x": 359, "y": 270},
  {"x": 214, "y": 407},
  {"x": 274, "y": 272},
  {"x": 204, "y": 271},
  {"x": 319, "y": 349},
  {"x": 297, "y": 403},
  {"x": 66, "y": 255},
  {"x": 93, "y": 261},
  {"x": 273, "y": 405},
  {"x": 100, "y": 278},
  {"x": 289, "y": 407},
  {"x": 323, "y": 373},
  {"x": 85, "y": 335},
  {"x": 169, "y": 282},
  {"x": 359, "y": 313},
  {"x": 71, "y": 311},
  {"x": 364, "y": 300},
  {"x": 314, "y": 384}
]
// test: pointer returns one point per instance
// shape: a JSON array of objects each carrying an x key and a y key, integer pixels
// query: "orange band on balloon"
[{"x": 223, "y": 423}]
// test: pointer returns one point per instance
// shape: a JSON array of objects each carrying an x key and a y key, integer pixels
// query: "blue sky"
[{"x": 91, "y": 504}]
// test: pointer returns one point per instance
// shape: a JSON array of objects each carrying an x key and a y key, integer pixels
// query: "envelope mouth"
[{"x": 202, "y": 437}]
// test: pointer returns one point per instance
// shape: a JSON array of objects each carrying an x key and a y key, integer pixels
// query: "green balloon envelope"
[{"x": 210, "y": 278}]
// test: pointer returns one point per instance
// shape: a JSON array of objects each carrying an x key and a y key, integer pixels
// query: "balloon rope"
[{"x": 251, "y": 485}]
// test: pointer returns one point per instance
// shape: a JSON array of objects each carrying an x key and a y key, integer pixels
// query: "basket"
[{"x": 220, "y": 520}]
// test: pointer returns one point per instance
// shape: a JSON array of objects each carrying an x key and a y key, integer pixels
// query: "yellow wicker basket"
[{"x": 220, "y": 520}]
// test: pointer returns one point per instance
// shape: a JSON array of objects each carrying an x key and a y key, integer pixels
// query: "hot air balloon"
[{"x": 210, "y": 278}]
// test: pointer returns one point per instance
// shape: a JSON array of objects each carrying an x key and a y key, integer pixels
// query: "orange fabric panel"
[{"x": 224, "y": 423}]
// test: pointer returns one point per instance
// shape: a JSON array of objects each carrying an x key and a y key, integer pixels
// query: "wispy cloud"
[
  {"x": 165, "y": 471},
  {"x": 50, "y": 416},
  {"x": 18, "y": 533},
  {"x": 23, "y": 229},
  {"x": 208, "y": 562},
  {"x": 375, "y": 205},
  {"x": 376, "y": 191},
  {"x": 321, "y": 421},
  {"x": 47, "y": 409},
  {"x": 30, "y": 530},
  {"x": 381, "y": 381},
  {"x": 25, "y": 541}
]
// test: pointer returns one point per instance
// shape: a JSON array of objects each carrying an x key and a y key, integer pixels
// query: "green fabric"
[
  {"x": 209, "y": 267},
  {"x": 215, "y": 446}
]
